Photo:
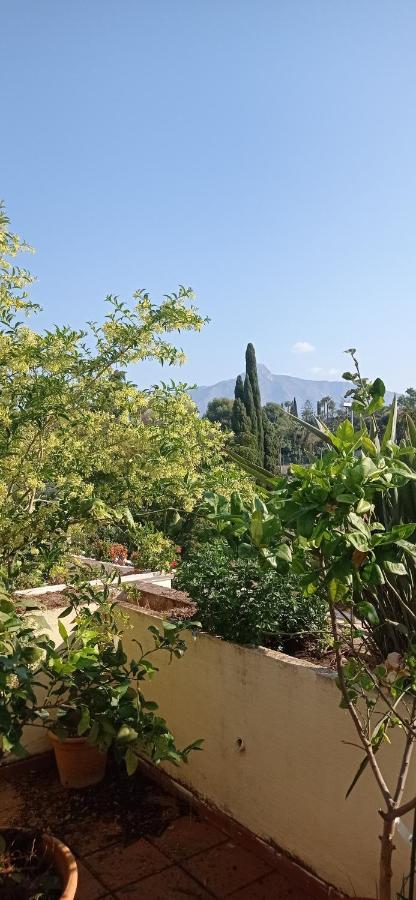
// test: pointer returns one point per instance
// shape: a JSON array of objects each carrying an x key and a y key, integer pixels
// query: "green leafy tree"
[
  {"x": 79, "y": 443},
  {"x": 274, "y": 413},
  {"x": 407, "y": 401},
  {"x": 307, "y": 412},
  {"x": 220, "y": 410}
]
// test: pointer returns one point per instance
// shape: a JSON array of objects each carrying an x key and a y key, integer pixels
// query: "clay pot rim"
[
  {"x": 67, "y": 740},
  {"x": 55, "y": 848}
]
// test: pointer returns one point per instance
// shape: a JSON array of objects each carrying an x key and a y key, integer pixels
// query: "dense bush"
[{"x": 238, "y": 601}]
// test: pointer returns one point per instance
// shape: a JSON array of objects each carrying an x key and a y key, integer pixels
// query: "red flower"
[
  {"x": 179, "y": 549},
  {"x": 173, "y": 564}
]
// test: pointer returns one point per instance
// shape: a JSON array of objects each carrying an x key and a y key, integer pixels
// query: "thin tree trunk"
[{"x": 387, "y": 847}]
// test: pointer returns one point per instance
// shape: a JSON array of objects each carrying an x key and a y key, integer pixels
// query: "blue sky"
[{"x": 262, "y": 152}]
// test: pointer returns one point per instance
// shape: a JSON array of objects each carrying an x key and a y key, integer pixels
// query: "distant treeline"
[{"x": 272, "y": 435}]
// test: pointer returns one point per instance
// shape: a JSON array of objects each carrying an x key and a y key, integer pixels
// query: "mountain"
[{"x": 277, "y": 388}]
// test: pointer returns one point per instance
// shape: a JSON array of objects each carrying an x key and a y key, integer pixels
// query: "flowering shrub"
[
  {"x": 153, "y": 551},
  {"x": 117, "y": 554},
  {"x": 82, "y": 449}
]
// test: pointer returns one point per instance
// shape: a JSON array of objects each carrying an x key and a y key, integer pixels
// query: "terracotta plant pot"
[
  {"x": 64, "y": 863},
  {"x": 79, "y": 764},
  {"x": 57, "y": 854}
]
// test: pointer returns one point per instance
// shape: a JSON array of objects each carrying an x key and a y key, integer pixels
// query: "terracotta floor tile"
[
  {"x": 88, "y": 886},
  {"x": 118, "y": 866},
  {"x": 272, "y": 887},
  {"x": 188, "y": 836},
  {"x": 171, "y": 884},
  {"x": 226, "y": 868},
  {"x": 89, "y": 836}
]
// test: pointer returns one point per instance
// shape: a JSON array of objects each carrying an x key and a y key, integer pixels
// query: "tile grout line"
[
  {"x": 240, "y": 888},
  {"x": 94, "y": 875},
  {"x": 128, "y": 884},
  {"x": 195, "y": 853}
]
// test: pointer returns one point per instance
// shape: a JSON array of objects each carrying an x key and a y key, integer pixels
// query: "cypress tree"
[
  {"x": 271, "y": 445},
  {"x": 239, "y": 389},
  {"x": 240, "y": 420},
  {"x": 249, "y": 405},
  {"x": 294, "y": 407},
  {"x": 245, "y": 440},
  {"x": 252, "y": 376}
]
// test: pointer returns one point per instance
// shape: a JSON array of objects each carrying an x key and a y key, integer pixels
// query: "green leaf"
[
  {"x": 390, "y": 430},
  {"x": 236, "y": 504},
  {"x": 132, "y": 761},
  {"x": 363, "y": 507},
  {"x": 359, "y": 524},
  {"x": 376, "y": 404},
  {"x": 283, "y": 552},
  {"x": 378, "y": 388},
  {"x": 372, "y": 574},
  {"x": 256, "y": 527},
  {"x": 396, "y": 568},
  {"x": 338, "y": 590},
  {"x": 363, "y": 470},
  {"x": 411, "y": 430},
  {"x": 369, "y": 445},
  {"x": 345, "y": 432},
  {"x": 358, "y": 540},
  {"x": 367, "y": 612},
  {"x": 84, "y": 722},
  {"x": 93, "y": 734},
  {"x": 169, "y": 626},
  {"x": 62, "y": 630}
]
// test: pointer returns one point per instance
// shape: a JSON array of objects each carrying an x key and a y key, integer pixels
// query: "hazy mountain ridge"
[{"x": 277, "y": 388}]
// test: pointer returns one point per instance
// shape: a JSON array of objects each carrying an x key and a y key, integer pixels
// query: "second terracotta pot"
[
  {"x": 57, "y": 854},
  {"x": 64, "y": 863},
  {"x": 79, "y": 763}
]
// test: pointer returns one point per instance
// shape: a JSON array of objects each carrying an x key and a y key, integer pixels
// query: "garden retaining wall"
[
  {"x": 277, "y": 751},
  {"x": 276, "y": 755}
]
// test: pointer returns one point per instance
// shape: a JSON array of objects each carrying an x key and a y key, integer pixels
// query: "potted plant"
[
  {"x": 94, "y": 701},
  {"x": 342, "y": 524},
  {"x": 35, "y": 866},
  {"x": 33, "y": 862}
]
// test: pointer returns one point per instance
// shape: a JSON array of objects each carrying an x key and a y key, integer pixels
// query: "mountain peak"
[{"x": 276, "y": 389}]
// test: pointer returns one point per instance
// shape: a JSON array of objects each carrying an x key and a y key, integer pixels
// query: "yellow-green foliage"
[{"x": 78, "y": 441}]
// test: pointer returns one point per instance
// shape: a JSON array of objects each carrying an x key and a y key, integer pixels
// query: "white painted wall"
[{"x": 288, "y": 784}]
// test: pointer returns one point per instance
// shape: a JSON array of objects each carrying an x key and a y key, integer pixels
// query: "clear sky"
[{"x": 262, "y": 151}]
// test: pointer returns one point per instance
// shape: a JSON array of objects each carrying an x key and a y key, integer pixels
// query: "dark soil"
[
  {"x": 52, "y": 600},
  {"x": 25, "y": 872},
  {"x": 125, "y": 808}
]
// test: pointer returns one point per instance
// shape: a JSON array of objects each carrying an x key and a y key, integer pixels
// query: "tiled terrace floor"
[{"x": 134, "y": 841}]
